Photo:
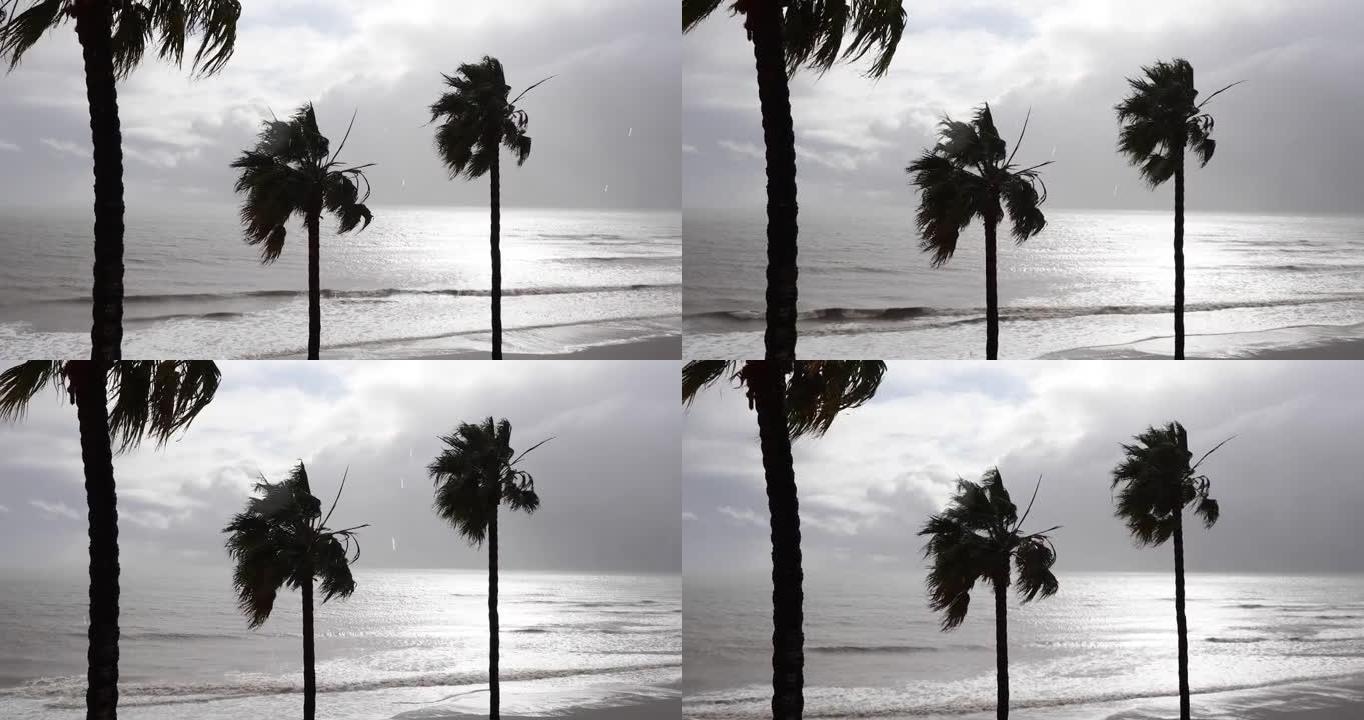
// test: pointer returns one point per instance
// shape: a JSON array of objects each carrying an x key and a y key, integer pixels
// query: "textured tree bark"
[
  {"x": 309, "y": 654},
  {"x": 1002, "y": 647},
  {"x": 494, "y": 689},
  {"x": 1181, "y": 623},
  {"x": 101, "y": 694},
  {"x": 764, "y": 23},
  {"x": 94, "y": 19},
  {"x": 788, "y": 638},
  {"x": 991, "y": 289},
  {"x": 1179, "y": 258},
  {"x": 314, "y": 221},
  {"x": 497, "y": 257}
]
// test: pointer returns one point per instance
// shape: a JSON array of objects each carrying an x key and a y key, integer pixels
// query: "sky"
[
  {"x": 1289, "y": 483},
  {"x": 1287, "y": 138},
  {"x": 608, "y": 481},
  {"x": 605, "y": 130}
]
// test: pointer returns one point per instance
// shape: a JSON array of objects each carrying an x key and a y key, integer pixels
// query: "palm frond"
[
  {"x": 20, "y": 32},
  {"x": 477, "y": 471},
  {"x": 818, "y": 390},
  {"x": 700, "y": 374},
  {"x": 21, "y": 383}
]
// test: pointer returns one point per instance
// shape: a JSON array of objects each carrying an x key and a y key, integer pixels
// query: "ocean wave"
[
  {"x": 871, "y": 649},
  {"x": 834, "y": 315},
  {"x": 69, "y": 692}
]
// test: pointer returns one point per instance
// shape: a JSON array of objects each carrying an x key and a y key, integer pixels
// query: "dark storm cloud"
[
  {"x": 1290, "y": 483},
  {"x": 608, "y": 481},
  {"x": 605, "y": 129},
  {"x": 1287, "y": 137}
]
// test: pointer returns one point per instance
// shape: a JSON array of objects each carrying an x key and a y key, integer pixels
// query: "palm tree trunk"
[
  {"x": 788, "y": 638},
  {"x": 94, "y": 19},
  {"x": 764, "y": 24},
  {"x": 497, "y": 258},
  {"x": 309, "y": 654},
  {"x": 1179, "y": 258},
  {"x": 1181, "y": 623},
  {"x": 101, "y": 694},
  {"x": 991, "y": 290},
  {"x": 1002, "y": 647},
  {"x": 494, "y": 694},
  {"x": 314, "y": 284}
]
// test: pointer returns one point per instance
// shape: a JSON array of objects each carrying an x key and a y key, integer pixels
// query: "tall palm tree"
[
  {"x": 976, "y": 538},
  {"x": 474, "y": 474},
  {"x": 1155, "y": 482},
  {"x": 292, "y": 172},
  {"x": 965, "y": 176},
  {"x": 1160, "y": 120},
  {"x": 282, "y": 538},
  {"x": 113, "y": 36},
  {"x": 804, "y": 401},
  {"x": 788, "y": 35},
  {"x": 117, "y": 406},
  {"x": 476, "y": 120}
]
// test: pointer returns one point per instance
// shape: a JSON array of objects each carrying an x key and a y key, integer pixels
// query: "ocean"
[
  {"x": 414, "y": 284},
  {"x": 410, "y": 643},
  {"x": 1103, "y": 648},
  {"x": 1093, "y": 284}
]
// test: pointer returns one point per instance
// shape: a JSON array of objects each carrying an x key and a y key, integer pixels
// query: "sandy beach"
[
  {"x": 660, "y": 348},
  {"x": 652, "y": 709}
]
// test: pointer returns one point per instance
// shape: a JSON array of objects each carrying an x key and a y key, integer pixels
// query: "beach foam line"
[
  {"x": 1236, "y": 345},
  {"x": 374, "y": 294}
]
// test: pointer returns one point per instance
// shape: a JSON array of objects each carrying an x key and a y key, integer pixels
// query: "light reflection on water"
[{"x": 1106, "y": 643}]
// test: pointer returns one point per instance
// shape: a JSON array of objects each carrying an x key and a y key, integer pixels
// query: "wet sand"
[{"x": 661, "y": 348}]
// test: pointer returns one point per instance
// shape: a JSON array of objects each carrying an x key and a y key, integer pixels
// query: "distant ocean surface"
[
  {"x": 1090, "y": 280},
  {"x": 409, "y": 643},
  {"x": 414, "y": 284},
  {"x": 1104, "y": 647}
]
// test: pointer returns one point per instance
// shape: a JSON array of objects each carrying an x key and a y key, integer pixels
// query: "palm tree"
[
  {"x": 477, "y": 120},
  {"x": 116, "y": 407},
  {"x": 475, "y": 473},
  {"x": 788, "y": 35},
  {"x": 1160, "y": 119},
  {"x": 293, "y": 172},
  {"x": 1156, "y": 481},
  {"x": 976, "y": 538},
  {"x": 951, "y": 195},
  {"x": 282, "y": 538},
  {"x": 113, "y": 36},
  {"x": 805, "y": 401}
]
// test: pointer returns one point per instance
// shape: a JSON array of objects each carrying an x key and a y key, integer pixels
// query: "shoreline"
[
  {"x": 643, "y": 709},
  {"x": 668, "y": 347}
]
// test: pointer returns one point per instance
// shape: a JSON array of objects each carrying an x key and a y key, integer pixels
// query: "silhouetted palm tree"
[
  {"x": 477, "y": 119},
  {"x": 116, "y": 409},
  {"x": 280, "y": 539},
  {"x": 1160, "y": 119},
  {"x": 804, "y": 402},
  {"x": 292, "y": 172},
  {"x": 788, "y": 35},
  {"x": 966, "y": 176},
  {"x": 976, "y": 538},
  {"x": 1155, "y": 481},
  {"x": 475, "y": 474},
  {"x": 114, "y": 35}
]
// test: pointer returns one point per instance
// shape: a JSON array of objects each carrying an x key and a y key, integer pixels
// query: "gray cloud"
[
  {"x": 608, "y": 481},
  {"x": 609, "y": 117},
  {"x": 1066, "y": 60},
  {"x": 1289, "y": 484}
]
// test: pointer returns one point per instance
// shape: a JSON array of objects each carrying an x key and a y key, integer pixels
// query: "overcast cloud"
[
  {"x": 1290, "y": 484},
  {"x": 606, "y": 128},
  {"x": 608, "y": 481},
  {"x": 1289, "y": 139}
]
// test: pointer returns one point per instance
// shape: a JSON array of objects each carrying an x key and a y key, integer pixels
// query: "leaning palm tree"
[
  {"x": 114, "y": 35},
  {"x": 1156, "y": 481},
  {"x": 292, "y": 172},
  {"x": 788, "y": 35},
  {"x": 976, "y": 538},
  {"x": 1160, "y": 119},
  {"x": 475, "y": 474},
  {"x": 477, "y": 119},
  {"x": 805, "y": 401},
  {"x": 968, "y": 175},
  {"x": 282, "y": 538},
  {"x": 116, "y": 408}
]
